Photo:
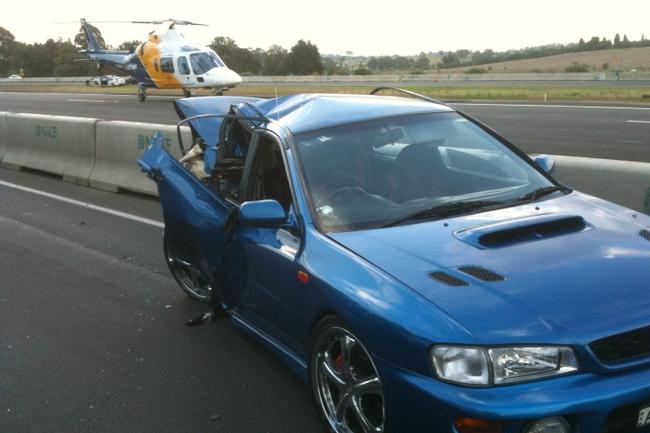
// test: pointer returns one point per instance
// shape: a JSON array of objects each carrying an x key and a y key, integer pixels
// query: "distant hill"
[{"x": 619, "y": 59}]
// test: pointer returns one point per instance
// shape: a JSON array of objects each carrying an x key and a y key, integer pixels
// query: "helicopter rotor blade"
[{"x": 177, "y": 22}]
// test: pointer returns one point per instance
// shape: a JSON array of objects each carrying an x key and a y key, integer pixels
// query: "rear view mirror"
[
  {"x": 388, "y": 137},
  {"x": 545, "y": 162},
  {"x": 262, "y": 213}
]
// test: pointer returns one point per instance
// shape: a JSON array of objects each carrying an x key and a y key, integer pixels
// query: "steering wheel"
[{"x": 341, "y": 192}]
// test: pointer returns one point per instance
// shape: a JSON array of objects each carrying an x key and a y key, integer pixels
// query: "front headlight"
[
  {"x": 462, "y": 364},
  {"x": 500, "y": 365}
]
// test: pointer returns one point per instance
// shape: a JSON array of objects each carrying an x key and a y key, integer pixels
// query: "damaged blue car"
[{"x": 416, "y": 269}]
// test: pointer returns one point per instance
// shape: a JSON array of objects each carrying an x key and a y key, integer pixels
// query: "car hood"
[{"x": 570, "y": 285}]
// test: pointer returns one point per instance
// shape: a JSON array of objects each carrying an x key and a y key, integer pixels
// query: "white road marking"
[
  {"x": 591, "y": 107},
  {"x": 638, "y": 121},
  {"x": 85, "y": 205},
  {"x": 86, "y": 100}
]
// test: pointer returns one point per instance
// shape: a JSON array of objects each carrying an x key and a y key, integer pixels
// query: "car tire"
[
  {"x": 187, "y": 276},
  {"x": 345, "y": 383}
]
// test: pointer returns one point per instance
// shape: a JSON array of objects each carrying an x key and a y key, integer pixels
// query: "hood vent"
[
  {"x": 447, "y": 279},
  {"x": 481, "y": 273},
  {"x": 645, "y": 234}
]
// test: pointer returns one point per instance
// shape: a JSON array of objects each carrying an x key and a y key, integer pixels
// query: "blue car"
[{"x": 416, "y": 269}]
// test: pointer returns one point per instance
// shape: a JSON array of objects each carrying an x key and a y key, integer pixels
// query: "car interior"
[{"x": 355, "y": 176}]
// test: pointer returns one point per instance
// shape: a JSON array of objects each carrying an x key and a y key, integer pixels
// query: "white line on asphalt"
[
  {"x": 592, "y": 107},
  {"x": 86, "y": 100},
  {"x": 638, "y": 121},
  {"x": 86, "y": 205}
]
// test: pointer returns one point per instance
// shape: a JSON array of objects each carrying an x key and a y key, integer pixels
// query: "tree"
[
  {"x": 129, "y": 45},
  {"x": 80, "y": 38},
  {"x": 243, "y": 60},
  {"x": 450, "y": 60},
  {"x": 304, "y": 59},
  {"x": 423, "y": 62},
  {"x": 6, "y": 42},
  {"x": 577, "y": 67},
  {"x": 277, "y": 61},
  {"x": 65, "y": 64},
  {"x": 463, "y": 55},
  {"x": 626, "y": 42},
  {"x": 617, "y": 40}
]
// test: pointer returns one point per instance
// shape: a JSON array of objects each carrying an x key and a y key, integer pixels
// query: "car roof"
[{"x": 308, "y": 112}]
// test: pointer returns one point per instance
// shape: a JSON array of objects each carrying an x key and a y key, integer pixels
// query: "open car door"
[{"x": 196, "y": 219}]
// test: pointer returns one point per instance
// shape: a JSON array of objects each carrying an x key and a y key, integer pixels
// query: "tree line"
[
  {"x": 61, "y": 58},
  {"x": 459, "y": 58}
]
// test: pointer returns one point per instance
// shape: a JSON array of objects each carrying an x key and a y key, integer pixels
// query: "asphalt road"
[
  {"x": 615, "y": 132},
  {"x": 92, "y": 336},
  {"x": 91, "y": 333}
]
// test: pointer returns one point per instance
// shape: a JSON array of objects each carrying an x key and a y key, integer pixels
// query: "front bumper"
[{"x": 416, "y": 403}]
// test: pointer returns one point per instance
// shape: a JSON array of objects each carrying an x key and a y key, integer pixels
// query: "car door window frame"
[{"x": 246, "y": 185}]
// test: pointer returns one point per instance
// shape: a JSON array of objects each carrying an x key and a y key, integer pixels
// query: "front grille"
[
  {"x": 622, "y": 347},
  {"x": 624, "y": 419}
]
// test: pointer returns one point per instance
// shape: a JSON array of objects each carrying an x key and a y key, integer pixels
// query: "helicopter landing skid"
[{"x": 142, "y": 94}]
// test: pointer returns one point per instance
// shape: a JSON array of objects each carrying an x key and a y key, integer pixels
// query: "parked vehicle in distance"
[
  {"x": 420, "y": 272},
  {"x": 106, "y": 81},
  {"x": 15, "y": 77}
]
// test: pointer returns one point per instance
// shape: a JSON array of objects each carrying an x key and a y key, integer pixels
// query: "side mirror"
[
  {"x": 545, "y": 162},
  {"x": 262, "y": 213}
]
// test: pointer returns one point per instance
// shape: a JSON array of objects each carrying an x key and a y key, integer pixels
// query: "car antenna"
[{"x": 275, "y": 88}]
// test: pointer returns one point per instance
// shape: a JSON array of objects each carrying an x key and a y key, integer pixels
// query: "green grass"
[{"x": 599, "y": 93}]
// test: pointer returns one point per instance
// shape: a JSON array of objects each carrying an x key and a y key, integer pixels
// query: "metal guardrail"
[{"x": 435, "y": 77}]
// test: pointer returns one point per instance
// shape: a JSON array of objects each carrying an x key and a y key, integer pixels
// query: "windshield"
[
  {"x": 202, "y": 63},
  {"x": 374, "y": 173},
  {"x": 216, "y": 58}
]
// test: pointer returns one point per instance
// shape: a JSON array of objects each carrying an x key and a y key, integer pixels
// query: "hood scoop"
[{"x": 521, "y": 230}]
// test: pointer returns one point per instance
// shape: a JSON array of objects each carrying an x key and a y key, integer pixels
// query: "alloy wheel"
[
  {"x": 348, "y": 386},
  {"x": 188, "y": 276}
]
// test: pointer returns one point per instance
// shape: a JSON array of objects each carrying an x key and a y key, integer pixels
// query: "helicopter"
[{"x": 165, "y": 61}]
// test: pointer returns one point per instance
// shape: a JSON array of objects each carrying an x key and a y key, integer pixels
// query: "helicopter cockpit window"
[
  {"x": 202, "y": 62},
  {"x": 167, "y": 64},
  {"x": 183, "y": 66},
  {"x": 217, "y": 59}
]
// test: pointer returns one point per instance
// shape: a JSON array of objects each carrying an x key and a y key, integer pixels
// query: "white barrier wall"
[
  {"x": 623, "y": 182},
  {"x": 54, "y": 144},
  {"x": 104, "y": 155},
  {"x": 120, "y": 145},
  {"x": 3, "y": 133}
]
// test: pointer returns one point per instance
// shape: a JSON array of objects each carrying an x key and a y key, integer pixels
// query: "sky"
[{"x": 363, "y": 27}]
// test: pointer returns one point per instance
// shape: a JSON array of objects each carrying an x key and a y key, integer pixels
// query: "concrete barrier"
[
  {"x": 103, "y": 154},
  {"x": 623, "y": 182},
  {"x": 3, "y": 133},
  {"x": 54, "y": 144},
  {"x": 120, "y": 145}
]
